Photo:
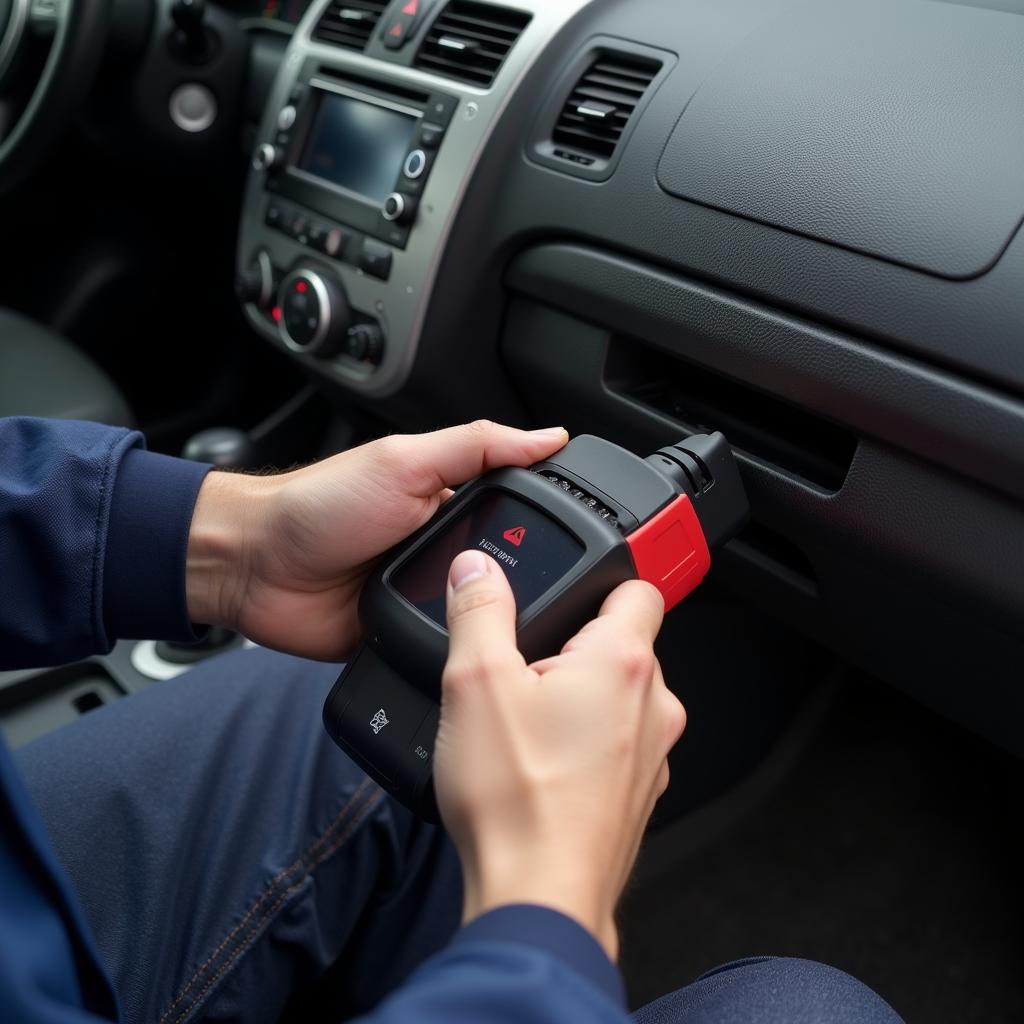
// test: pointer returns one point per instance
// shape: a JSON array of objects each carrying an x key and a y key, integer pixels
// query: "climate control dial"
[{"x": 315, "y": 314}]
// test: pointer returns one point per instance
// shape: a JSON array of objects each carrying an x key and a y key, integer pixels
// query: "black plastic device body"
[{"x": 566, "y": 531}]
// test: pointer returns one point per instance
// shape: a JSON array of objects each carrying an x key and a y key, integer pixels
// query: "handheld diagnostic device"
[{"x": 567, "y": 531}]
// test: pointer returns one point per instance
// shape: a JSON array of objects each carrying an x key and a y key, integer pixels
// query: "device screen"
[
  {"x": 532, "y": 548},
  {"x": 359, "y": 146}
]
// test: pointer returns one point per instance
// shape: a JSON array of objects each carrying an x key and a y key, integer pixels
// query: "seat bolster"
[{"x": 42, "y": 374}]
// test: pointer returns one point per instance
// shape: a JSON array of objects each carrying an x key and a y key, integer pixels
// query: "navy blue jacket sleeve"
[
  {"x": 93, "y": 530},
  {"x": 514, "y": 965}
]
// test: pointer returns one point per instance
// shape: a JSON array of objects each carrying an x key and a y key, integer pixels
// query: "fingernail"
[
  {"x": 548, "y": 432},
  {"x": 470, "y": 565}
]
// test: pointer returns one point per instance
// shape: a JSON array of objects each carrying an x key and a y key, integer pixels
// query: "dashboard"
[{"x": 797, "y": 223}]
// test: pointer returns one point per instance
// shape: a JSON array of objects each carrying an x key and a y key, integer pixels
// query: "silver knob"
[
  {"x": 286, "y": 118},
  {"x": 264, "y": 157},
  {"x": 399, "y": 208},
  {"x": 394, "y": 206}
]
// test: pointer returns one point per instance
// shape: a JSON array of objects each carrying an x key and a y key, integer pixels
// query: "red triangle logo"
[
  {"x": 396, "y": 29},
  {"x": 411, "y": 7},
  {"x": 515, "y": 535}
]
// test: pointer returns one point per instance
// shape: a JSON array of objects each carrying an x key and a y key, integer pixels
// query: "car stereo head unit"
[{"x": 356, "y": 150}]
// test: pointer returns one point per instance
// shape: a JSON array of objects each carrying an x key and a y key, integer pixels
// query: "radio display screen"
[{"x": 357, "y": 146}]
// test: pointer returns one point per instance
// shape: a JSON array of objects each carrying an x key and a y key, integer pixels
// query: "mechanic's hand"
[
  {"x": 546, "y": 774},
  {"x": 283, "y": 558}
]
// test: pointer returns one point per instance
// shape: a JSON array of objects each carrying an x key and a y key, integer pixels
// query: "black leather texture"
[
  {"x": 890, "y": 128},
  {"x": 41, "y": 374}
]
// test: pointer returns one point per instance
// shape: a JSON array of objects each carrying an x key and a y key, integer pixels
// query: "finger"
[
  {"x": 634, "y": 610},
  {"x": 636, "y": 603},
  {"x": 673, "y": 716},
  {"x": 481, "y": 617},
  {"x": 445, "y": 458}
]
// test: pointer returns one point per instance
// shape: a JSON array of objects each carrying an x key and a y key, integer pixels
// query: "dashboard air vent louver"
[
  {"x": 349, "y": 23},
  {"x": 469, "y": 41},
  {"x": 600, "y": 105}
]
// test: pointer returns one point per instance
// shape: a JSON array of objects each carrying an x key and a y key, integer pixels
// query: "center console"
[{"x": 363, "y": 155}]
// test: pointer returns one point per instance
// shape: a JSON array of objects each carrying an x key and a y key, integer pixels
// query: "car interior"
[{"x": 263, "y": 231}]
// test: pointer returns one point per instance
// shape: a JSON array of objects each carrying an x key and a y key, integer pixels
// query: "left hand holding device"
[{"x": 283, "y": 558}]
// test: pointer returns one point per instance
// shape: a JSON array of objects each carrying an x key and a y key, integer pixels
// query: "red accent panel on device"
[{"x": 670, "y": 551}]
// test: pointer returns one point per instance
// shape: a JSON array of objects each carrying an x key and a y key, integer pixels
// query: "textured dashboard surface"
[{"x": 894, "y": 129}]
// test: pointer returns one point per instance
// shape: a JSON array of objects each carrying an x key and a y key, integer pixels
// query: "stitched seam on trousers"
[
  {"x": 270, "y": 891},
  {"x": 257, "y": 928}
]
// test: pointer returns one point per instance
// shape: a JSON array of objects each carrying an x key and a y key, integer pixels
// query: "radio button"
[
  {"x": 274, "y": 217},
  {"x": 430, "y": 136},
  {"x": 399, "y": 208},
  {"x": 299, "y": 229},
  {"x": 265, "y": 157},
  {"x": 316, "y": 235},
  {"x": 441, "y": 108},
  {"x": 375, "y": 259},
  {"x": 393, "y": 233},
  {"x": 415, "y": 164},
  {"x": 286, "y": 117},
  {"x": 333, "y": 242}
]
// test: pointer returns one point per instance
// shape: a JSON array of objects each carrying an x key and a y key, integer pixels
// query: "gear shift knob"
[{"x": 225, "y": 447}]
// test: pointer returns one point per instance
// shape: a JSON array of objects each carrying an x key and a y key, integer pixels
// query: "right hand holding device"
[{"x": 547, "y": 774}]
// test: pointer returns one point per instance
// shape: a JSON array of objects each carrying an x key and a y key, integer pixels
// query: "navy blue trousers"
[{"x": 227, "y": 854}]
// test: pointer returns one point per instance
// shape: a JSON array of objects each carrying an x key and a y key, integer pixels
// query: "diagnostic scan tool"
[{"x": 566, "y": 532}]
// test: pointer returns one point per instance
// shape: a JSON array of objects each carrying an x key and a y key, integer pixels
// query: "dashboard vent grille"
[
  {"x": 470, "y": 41},
  {"x": 349, "y": 23},
  {"x": 600, "y": 105}
]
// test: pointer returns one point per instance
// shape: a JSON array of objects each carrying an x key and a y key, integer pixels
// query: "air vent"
[
  {"x": 599, "y": 107},
  {"x": 349, "y": 23},
  {"x": 470, "y": 41}
]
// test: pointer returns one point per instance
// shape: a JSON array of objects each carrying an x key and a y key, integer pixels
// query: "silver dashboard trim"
[
  {"x": 400, "y": 303},
  {"x": 16, "y": 21},
  {"x": 366, "y": 97}
]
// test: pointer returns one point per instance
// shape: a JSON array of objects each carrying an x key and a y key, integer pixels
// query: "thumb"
[{"x": 481, "y": 614}]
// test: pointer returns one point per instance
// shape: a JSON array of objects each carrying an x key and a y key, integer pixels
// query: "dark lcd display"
[
  {"x": 356, "y": 145},
  {"x": 533, "y": 549}
]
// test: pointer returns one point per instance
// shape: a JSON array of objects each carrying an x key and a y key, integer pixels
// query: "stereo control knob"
[
  {"x": 315, "y": 314},
  {"x": 265, "y": 157},
  {"x": 257, "y": 282},
  {"x": 399, "y": 208},
  {"x": 365, "y": 343}
]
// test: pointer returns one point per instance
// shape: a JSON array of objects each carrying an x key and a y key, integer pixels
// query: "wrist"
[
  {"x": 549, "y": 883},
  {"x": 227, "y": 524}
]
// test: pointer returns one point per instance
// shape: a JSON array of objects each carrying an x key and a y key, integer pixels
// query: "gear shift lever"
[{"x": 225, "y": 447}]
